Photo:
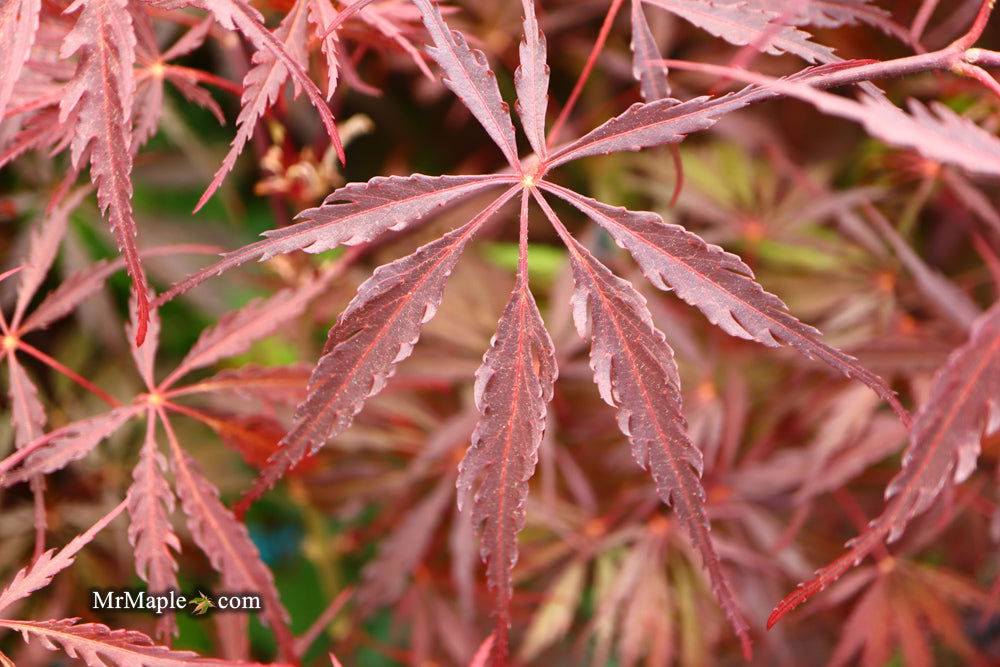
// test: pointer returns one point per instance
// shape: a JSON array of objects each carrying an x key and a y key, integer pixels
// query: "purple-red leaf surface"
[
  {"x": 468, "y": 75},
  {"x": 376, "y": 331},
  {"x": 353, "y": 214},
  {"x": 100, "y": 98},
  {"x": 635, "y": 371},
  {"x": 18, "y": 25},
  {"x": 963, "y": 406},
  {"x": 653, "y": 83},
  {"x": 740, "y": 22},
  {"x": 262, "y": 85},
  {"x": 531, "y": 79},
  {"x": 225, "y": 540},
  {"x": 718, "y": 283},
  {"x": 513, "y": 386}
]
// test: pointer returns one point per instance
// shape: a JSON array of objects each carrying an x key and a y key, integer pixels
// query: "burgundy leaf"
[
  {"x": 49, "y": 564},
  {"x": 150, "y": 503},
  {"x": 238, "y": 15},
  {"x": 18, "y": 25},
  {"x": 95, "y": 643},
  {"x": 372, "y": 16},
  {"x": 262, "y": 85},
  {"x": 355, "y": 213},
  {"x": 45, "y": 240},
  {"x": 513, "y": 386},
  {"x": 635, "y": 371},
  {"x": 72, "y": 442},
  {"x": 652, "y": 78},
  {"x": 652, "y": 124},
  {"x": 531, "y": 79},
  {"x": 225, "y": 540},
  {"x": 376, "y": 331},
  {"x": 963, "y": 406},
  {"x": 468, "y": 75},
  {"x": 235, "y": 332},
  {"x": 740, "y": 22},
  {"x": 718, "y": 283},
  {"x": 322, "y": 14},
  {"x": 100, "y": 96}
]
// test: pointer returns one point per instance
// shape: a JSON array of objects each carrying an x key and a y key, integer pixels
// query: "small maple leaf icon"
[{"x": 202, "y": 603}]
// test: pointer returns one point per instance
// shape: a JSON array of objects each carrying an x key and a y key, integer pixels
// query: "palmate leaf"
[
  {"x": 99, "y": 100},
  {"x": 964, "y": 404},
  {"x": 225, "y": 540},
  {"x": 376, "y": 331},
  {"x": 262, "y": 85},
  {"x": 531, "y": 79},
  {"x": 99, "y": 646},
  {"x": 353, "y": 214},
  {"x": 743, "y": 22},
  {"x": 54, "y": 451},
  {"x": 150, "y": 504},
  {"x": 513, "y": 387},
  {"x": 238, "y": 15},
  {"x": 718, "y": 283},
  {"x": 635, "y": 371},
  {"x": 468, "y": 75},
  {"x": 656, "y": 123},
  {"x": 653, "y": 83}
]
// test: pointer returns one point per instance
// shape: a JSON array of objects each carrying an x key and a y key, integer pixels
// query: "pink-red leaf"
[
  {"x": 468, "y": 75},
  {"x": 650, "y": 124},
  {"x": 964, "y": 404},
  {"x": 97, "y": 645},
  {"x": 741, "y": 23},
  {"x": 635, "y": 371},
  {"x": 262, "y": 85},
  {"x": 238, "y": 15},
  {"x": 376, "y": 331},
  {"x": 27, "y": 412},
  {"x": 513, "y": 386},
  {"x": 150, "y": 503},
  {"x": 652, "y": 78},
  {"x": 531, "y": 79},
  {"x": 44, "y": 246},
  {"x": 280, "y": 384},
  {"x": 353, "y": 214},
  {"x": 100, "y": 97},
  {"x": 718, "y": 283},
  {"x": 49, "y": 564},
  {"x": 235, "y": 332},
  {"x": 225, "y": 540},
  {"x": 72, "y": 442}
]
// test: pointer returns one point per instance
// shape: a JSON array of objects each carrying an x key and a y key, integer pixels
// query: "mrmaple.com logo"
[{"x": 157, "y": 603}]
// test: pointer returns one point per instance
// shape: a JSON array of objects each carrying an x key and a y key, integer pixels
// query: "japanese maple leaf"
[
  {"x": 214, "y": 528},
  {"x": 632, "y": 362},
  {"x": 93, "y": 643}
]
